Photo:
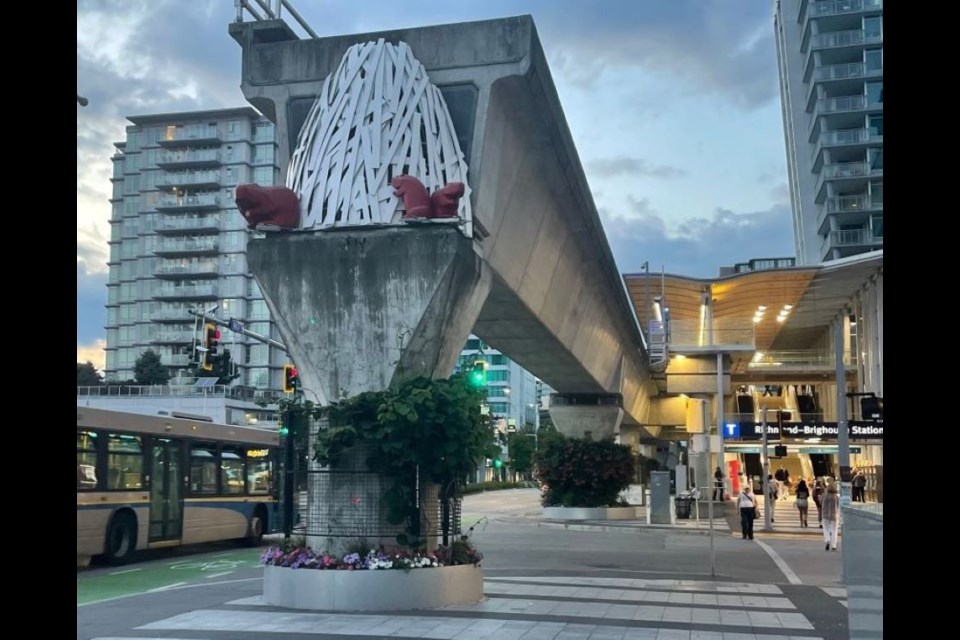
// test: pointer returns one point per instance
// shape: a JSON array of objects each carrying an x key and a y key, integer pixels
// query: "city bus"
[{"x": 149, "y": 481}]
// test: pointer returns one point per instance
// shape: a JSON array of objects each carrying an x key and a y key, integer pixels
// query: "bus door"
[{"x": 166, "y": 495}]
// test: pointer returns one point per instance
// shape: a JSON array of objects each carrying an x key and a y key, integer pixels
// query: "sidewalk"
[{"x": 694, "y": 524}]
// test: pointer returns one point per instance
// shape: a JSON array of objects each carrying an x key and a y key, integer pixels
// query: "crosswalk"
[
  {"x": 529, "y": 608},
  {"x": 786, "y": 517}
]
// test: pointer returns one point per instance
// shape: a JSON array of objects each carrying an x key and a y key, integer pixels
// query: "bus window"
[
  {"x": 124, "y": 462},
  {"x": 203, "y": 468},
  {"x": 231, "y": 470},
  {"x": 86, "y": 459},
  {"x": 258, "y": 471}
]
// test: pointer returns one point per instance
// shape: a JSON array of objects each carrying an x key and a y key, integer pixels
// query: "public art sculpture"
[
  {"x": 417, "y": 203},
  {"x": 277, "y": 206},
  {"x": 378, "y": 147}
]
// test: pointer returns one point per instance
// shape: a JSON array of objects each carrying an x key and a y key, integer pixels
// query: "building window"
[
  {"x": 875, "y": 93},
  {"x": 876, "y": 124},
  {"x": 876, "y": 225}
]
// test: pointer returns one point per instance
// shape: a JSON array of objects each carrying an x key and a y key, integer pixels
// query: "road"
[{"x": 536, "y": 577}]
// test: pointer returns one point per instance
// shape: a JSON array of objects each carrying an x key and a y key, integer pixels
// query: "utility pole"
[
  {"x": 767, "y": 507},
  {"x": 207, "y": 317}
]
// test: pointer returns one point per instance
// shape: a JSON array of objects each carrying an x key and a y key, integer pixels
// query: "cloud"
[
  {"x": 697, "y": 246},
  {"x": 723, "y": 47},
  {"x": 93, "y": 352},
  {"x": 608, "y": 167},
  {"x": 91, "y": 300}
]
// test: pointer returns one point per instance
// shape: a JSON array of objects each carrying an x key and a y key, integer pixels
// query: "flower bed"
[
  {"x": 377, "y": 581},
  {"x": 372, "y": 579}
]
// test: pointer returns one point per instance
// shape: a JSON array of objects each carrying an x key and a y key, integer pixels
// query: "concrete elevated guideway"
[{"x": 555, "y": 301}]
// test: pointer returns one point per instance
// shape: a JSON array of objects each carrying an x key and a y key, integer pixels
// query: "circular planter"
[
  {"x": 588, "y": 513},
  {"x": 378, "y": 590}
]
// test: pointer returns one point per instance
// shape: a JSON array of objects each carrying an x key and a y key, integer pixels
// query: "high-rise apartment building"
[
  {"x": 512, "y": 391},
  {"x": 177, "y": 241},
  {"x": 830, "y": 55}
]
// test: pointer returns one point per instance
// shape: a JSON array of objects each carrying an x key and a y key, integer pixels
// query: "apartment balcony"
[
  {"x": 827, "y": 107},
  {"x": 852, "y": 237},
  {"x": 853, "y": 208},
  {"x": 171, "y": 247},
  {"x": 179, "y": 360},
  {"x": 205, "y": 269},
  {"x": 173, "y": 337},
  {"x": 839, "y": 39},
  {"x": 825, "y": 8},
  {"x": 191, "y": 136},
  {"x": 189, "y": 292},
  {"x": 195, "y": 159},
  {"x": 848, "y": 173},
  {"x": 846, "y": 138},
  {"x": 171, "y": 225},
  {"x": 197, "y": 202},
  {"x": 835, "y": 75},
  {"x": 178, "y": 316},
  {"x": 206, "y": 180}
]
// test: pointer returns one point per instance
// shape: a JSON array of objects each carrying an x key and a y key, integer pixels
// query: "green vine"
[{"x": 431, "y": 427}]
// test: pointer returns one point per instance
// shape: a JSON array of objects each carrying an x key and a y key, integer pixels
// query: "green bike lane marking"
[{"x": 157, "y": 575}]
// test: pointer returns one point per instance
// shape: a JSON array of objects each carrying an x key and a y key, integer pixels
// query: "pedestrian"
[
  {"x": 818, "y": 500},
  {"x": 803, "y": 495},
  {"x": 770, "y": 500},
  {"x": 718, "y": 485},
  {"x": 830, "y": 508},
  {"x": 748, "y": 512},
  {"x": 859, "y": 486}
]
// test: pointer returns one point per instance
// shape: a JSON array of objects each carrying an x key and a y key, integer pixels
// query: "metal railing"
[
  {"x": 686, "y": 334},
  {"x": 192, "y": 291},
  {"x": 272, "y": 10},
  {"x": 850, "y": 38},
  {"x": 173, "y": 336},
  {"x": 189, "y": 134},
  {"x": 797, "y": 359},
  {"x": 171, "y": 202},
  {"x": 174, "y": 245},
  {"x": 180, "y": 391},
  {"x": 841, "y": 103},
  {"x": 840, "y": 7},
  {"x": 187, "y": 224},
  {"x": 854, "y": 236},
  {"x": 195, "y": 268},
  {"x": 190, "y": 178},
  {"x": 172, "y": 314},
  {"x": 852, "y": 70},
  {"x": 840, "y": 204},
  {"x": 189, "y": 157}
]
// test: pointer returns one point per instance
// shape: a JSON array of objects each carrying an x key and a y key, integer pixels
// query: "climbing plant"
[{"x": 423, "y": 426}]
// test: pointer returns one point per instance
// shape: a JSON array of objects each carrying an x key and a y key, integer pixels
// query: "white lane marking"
[
  {"x": 188, "y": 586},
  {"x": 780, "y": 562},
  {"x": 116, "y": 573},
  {"x": 165, "y": 587},
  {"x": 217, "y": 575}
]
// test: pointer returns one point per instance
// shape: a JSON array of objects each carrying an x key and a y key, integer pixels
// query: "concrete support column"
[
  {"x": 360, "y": 311},
  {"x": 587, "y": 415}
]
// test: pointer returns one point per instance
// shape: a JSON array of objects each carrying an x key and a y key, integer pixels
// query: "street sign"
[{"x": 236, "y": 326}]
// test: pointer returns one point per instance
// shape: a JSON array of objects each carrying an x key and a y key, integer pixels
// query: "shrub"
[{"x": 583, "y": 473}]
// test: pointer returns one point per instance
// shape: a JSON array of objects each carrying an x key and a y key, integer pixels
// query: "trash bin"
[{"x": 684, "y": 504}]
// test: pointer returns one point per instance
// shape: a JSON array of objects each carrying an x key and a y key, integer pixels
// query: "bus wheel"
[
  {"x": 257, "y": 525},
  {"x": 121, "y": 539}
]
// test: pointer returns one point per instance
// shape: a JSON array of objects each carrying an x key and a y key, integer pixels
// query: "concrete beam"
[{"x": 592, "y": 416}]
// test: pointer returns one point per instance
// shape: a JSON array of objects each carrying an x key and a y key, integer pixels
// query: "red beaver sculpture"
[
  {"x": 417, "y": 203},
  {"x": 268, "y": 205}
]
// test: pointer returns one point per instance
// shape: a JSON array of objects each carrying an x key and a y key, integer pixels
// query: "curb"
[{"x": 644, "y": 528}]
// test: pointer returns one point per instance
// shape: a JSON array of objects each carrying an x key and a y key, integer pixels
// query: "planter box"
[
  {"x": 379, "y": 590},
  {"x": 587, "y": 513}
]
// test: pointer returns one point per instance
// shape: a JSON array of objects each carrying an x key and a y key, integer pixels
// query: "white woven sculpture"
[{"x": 377, "y": 117}]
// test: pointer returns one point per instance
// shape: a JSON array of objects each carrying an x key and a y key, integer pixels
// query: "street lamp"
[{"x": 82, "y": 101}]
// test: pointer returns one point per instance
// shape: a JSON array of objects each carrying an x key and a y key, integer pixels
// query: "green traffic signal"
[
  {"x": 478, "y": 375},
  {"x": 497, "y": 463}
]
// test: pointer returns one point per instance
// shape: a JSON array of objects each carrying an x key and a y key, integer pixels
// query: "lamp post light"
[{"x": 82, "y": 101}]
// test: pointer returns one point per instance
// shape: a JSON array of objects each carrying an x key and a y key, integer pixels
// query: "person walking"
[
  {"x": 830, "y": 509},
  {"x": 818, "y": 500},
  {"x": 718, "y": 485},
  {"x": 803, "y": 505},
  {"x": 748, "y": 512},
  {"x": 770, "y": 500}
]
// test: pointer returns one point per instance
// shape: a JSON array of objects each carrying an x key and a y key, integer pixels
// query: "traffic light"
[
  {"x": 291, "y": 380},
  {"x": 498, "y": 463},
  {"x": 478, "y": 374},
  {"x": 211, "y": 342}
]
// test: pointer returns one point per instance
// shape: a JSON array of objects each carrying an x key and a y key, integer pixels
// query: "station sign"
[{"x": 858, "y": 430}]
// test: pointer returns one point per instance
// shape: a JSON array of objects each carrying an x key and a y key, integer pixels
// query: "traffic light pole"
[{"x": 250, "y": 334}]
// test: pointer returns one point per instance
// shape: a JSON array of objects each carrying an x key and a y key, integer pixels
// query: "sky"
[{"x": 673, "y": 106}]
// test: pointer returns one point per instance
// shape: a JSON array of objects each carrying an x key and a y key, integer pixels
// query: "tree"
[
  {"x": 87, "y": 375},
  {"x": 521, "y": 452},
  {"x": 149, "y": 370}
]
